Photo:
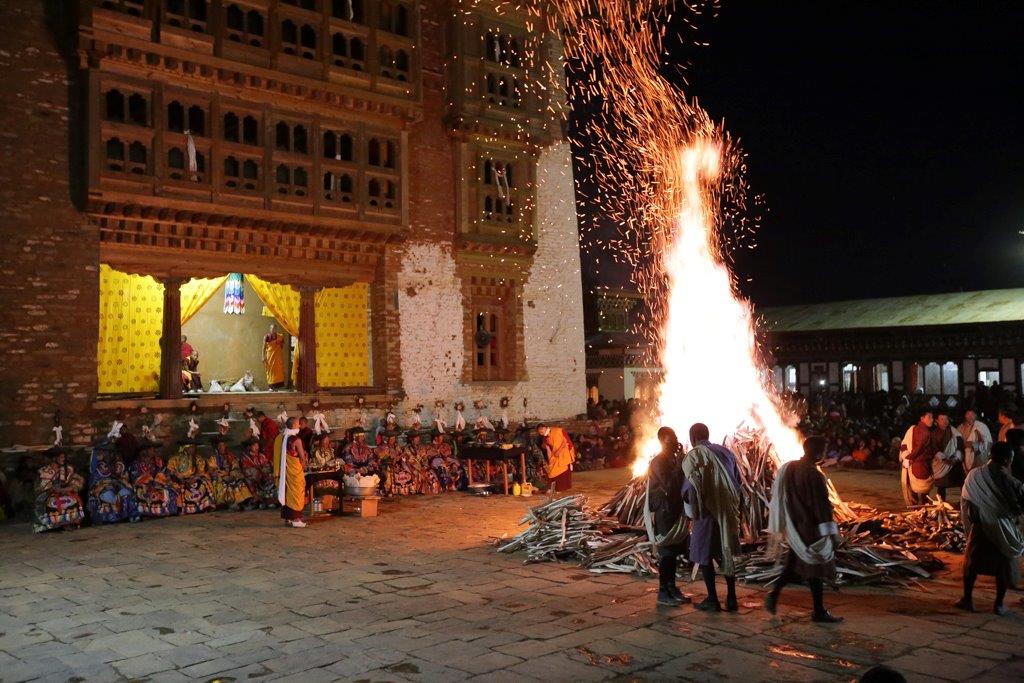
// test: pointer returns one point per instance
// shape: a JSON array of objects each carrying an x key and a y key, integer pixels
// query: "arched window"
[
  {"x": 491, "y": 48},
  {"x": 489, "y": 172},
  {"x": 231, "y": 167},
  {"x": 389, "y": 194},
  {"x": 374, "y": 191},
  {"x": 517, "y": 93},
  {"x": 345, "y": 147},
  {"x": 250, "y": 131},
  {"x": 176, "y": 162},
  {"x": 137, "y": 110},
  {"x": 115, "y": 106},
  {"x": 329, "y": 185},
  {"x": 392, "y": 155},
  {"x": 345, "y": 183},
  {"x": 289, "y": 37},
  {"x": 300, "y": 178},
  {"x": 385, "y": 60},
  {"x": 950, "y": 378},
  {"x": 308, "y": 37},
  {"x": 283, "y": 176},
  {"x": 234, "y": 18},
  {"x": 880, "y": 377},
  {"x": 374, "y": 152},
  {"x": 196, "y": 120},
  {"x": 250, "y": 170},
  {"x": 282, "y": 137},
  {"x": 514, "y": 53},
  {"x": 503, "y": 87},
  {"x": 488, "y": 207},
  {"x": 932, "y": 378},
  {"x": 176, "y": 117},
  {"x": 197, "y": 10},
  {"x": 357, "y": 52},
  {"x": 137, "y": 158},
  {"x": 850, "y": 376},
  {"x": 401, "y": 21},
  {"x": 492, "y": 86},
  {"x": 401, "y": 65},
  {"x": 115, "y": 154},
  {"x": 299, "y": 143},
  {"x": 349, "y": 10},
  {"x": 791, "y": 378},
  {"x": 339, "y": 46},
  {"x": 385, "y": 15},
  {"x": 330, "y": 145},
  {"x": 231, "y": 129},
  {"x": 254, "y": 27}
]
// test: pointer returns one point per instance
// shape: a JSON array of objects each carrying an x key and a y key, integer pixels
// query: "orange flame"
[{"x": 712, "y": 371}]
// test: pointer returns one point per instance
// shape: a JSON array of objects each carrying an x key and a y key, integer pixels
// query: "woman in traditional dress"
[
  {"x": 155, "y": 491},
  {"x": 273, "y": 358},
  {"x": 229, "y": 485},
  {"x": 111, "y": 496},
  {"x": 195, "y": 490},
  {"x": 58, "y": 501},
  {"x": 397, "y": 475},
  {"x": 419, "y": 457},
  {"x": 259, "y": 473},
  {"x": 444, "y": 463}
]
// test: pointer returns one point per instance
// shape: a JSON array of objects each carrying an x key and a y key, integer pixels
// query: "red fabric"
[
  {"x": 268, "y": 432},
  {"x": 921, "y": 452},
  {"x": 186, "y": 350}
]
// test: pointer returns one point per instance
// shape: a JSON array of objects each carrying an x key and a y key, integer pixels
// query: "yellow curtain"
[
  {"x": 131, "y": 321},
  {"x": 283, "y": 302},
  {"x": 342, "y": 336},
  {"x": 196, "y": 292}
]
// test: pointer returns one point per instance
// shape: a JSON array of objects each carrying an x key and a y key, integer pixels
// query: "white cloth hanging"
[
  {"x": 254, "y": 428},
  {"x": 193, "y": 162},
  {"x": 193, "y": 428},
  {"x": 115, "y": 429},
  {"x": 58, "y": 435},
  {"x": 320, "y": 423},
  {"x": 460, "y": 421},
  {"x": 284, "y": 463},
  {"x": 441, "y": 425}
]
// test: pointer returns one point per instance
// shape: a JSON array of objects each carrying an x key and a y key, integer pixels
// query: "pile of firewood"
[{"x": 569, "y": 529}]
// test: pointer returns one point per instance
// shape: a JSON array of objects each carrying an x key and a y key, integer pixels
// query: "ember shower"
[{"x": 680, "y": 200}]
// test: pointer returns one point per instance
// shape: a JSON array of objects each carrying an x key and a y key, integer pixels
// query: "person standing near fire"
[
  {"x": 669, "y": 526},
  {"x": 711, "y": 497},
  {"x": 560, "y": 455}
]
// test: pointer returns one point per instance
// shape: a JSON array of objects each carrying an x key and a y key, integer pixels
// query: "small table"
[
  {"x": 313, "y": 478},
  {"x": 497, "y": 454}
]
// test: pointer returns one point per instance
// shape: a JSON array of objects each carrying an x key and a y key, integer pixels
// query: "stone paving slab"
[{"x": 418, "y": 594}]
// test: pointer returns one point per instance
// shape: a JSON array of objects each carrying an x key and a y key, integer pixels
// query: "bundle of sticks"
[
  {"x": 568, "y": 528},
  {"x": 935, "y": 526}
]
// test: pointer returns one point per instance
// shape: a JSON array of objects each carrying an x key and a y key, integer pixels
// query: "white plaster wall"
[{"x": 430, "y": 316}]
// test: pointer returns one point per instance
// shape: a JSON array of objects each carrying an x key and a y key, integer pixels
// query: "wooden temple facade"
[{"x": 309, "y": 142}]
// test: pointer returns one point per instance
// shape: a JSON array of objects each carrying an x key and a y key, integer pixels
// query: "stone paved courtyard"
[{"x": 419, "y": 594}]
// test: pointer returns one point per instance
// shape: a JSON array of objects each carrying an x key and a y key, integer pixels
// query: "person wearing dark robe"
[
  {"x": 991, "y": 502},
  {"x": 127, "y": 446},
  {"x": 711, "y": 496},
  {"x": 305, "y": 434},
  {"x": 1015, "y": 437},
  {"x": 917, "y": 453},
  {"x": 665, "y": 501},
  {"x": 801, "y": 513},
  {"x": 268, "y": 435}
]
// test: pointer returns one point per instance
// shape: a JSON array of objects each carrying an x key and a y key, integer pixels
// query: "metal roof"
[{"x": 958, "y": 308}]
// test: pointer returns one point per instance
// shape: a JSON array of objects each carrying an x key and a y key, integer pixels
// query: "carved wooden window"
[
  {"x": 382, "y": 153},
  {"x": 382, "y": 193},
  {"x": 338, "y": 187},
  {"x": 349, "y": 10},
  {"x": 498, "y": 191},
  {"x": 138, "y": 110},
  {"x": 393, "y": 64},
  {"x": 348, "y": 53},
  {"x": 307, "y": 42},
  {"x": 338, "y": 146},
  {"x": 394, "y": 18},
  {"x": 135, "y": 8},
  {"x": 232, "y": 172},
  {"x": 137, "y": 159},
  {"x": 114, "y": 155},
  {"x": 250, "y": 130},
  {"x": 504, "y": 49},
  {"x": 304, "y": 4},
  {"x": 289, "y": 37},
  {"x": 292, "y": 181},
  {"x": 241, "y": 176},
  {"x": 186, "y": 14},
  {"x": 181, "y": 119},
  {"x": 492, "y": 351},
  {"x": 178, "y": 167},
  {"x": 115, "y": 106},
  {"x": 122, "y": 108},
  {"x": 244, "y": 26}
]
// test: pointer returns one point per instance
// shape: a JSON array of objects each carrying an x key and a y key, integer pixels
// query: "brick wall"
[{"x": 48, "y": 254}]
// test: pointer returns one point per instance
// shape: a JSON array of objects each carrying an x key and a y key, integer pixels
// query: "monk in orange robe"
[
  {"x": 561, "y": 454},
  {"x": 273, "y": 358},
  {"x": 290, "y": 470}
]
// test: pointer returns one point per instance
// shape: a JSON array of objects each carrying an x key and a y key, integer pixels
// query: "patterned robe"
[
  {"x": 195, "y": 490},
  {"x": 259, "y": 473},
  {"x": 447, "y": 468},
  {"x": 111, "y": 496},
  {"x": 155, "y": 492},
  {"x": 58, "y": 503},
  {"x": 419, "y": 458},
  {"x": 359, "y": 457},
  {"x": 229, "y": 484}
]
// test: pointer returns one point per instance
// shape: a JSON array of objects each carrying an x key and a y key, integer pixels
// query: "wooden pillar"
[
  {"x": 307, "y": 340},
  {"x": 170, "y": 339}
]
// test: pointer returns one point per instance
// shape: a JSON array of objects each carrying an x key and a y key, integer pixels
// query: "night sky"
[{"x": 886, "y": 137}]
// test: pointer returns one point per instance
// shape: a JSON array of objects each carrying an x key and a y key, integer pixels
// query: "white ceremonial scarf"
[
  {"x": 781, "y": 524},
  {"x": 997, "y": 519},
  {"x": 115, "y": 429},
  {"x": 460, "y": 421},
  {"x": 254, "y": 428},
  {"x": 284, "y": 450},
  {"x": 320, "y": 424},
  {"x": 441, "y": 424}
]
